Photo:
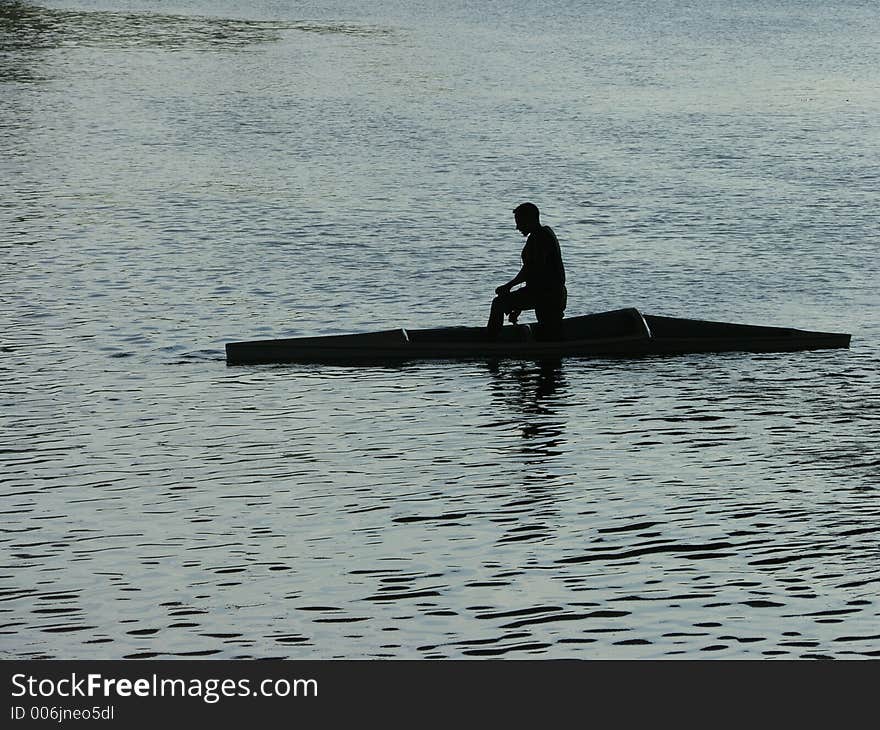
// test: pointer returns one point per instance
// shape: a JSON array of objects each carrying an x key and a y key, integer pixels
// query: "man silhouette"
[{"x": 542, "y": 273}]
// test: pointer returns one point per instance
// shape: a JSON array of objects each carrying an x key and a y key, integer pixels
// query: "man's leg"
[
  {"x": 550, "y": 319},
  {"x": 550, "y": 329},
  {"x": 496, "y": 317},
  {"x": 549, "y": 312},
  {"x": 505, "y": 304}
]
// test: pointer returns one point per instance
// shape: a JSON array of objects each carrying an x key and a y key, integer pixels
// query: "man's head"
[{"x": 528, "y": 218}]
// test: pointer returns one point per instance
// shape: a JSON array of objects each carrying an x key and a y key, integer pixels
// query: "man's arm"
[{"x": 518, "y": 279}]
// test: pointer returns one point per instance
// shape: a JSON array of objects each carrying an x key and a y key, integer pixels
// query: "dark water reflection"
[
  {"x": 530, "y": 393},
  {"x": 29, "y": 27}
]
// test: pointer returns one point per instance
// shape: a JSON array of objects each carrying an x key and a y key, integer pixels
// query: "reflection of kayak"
[{"x": 621, "y": 333}]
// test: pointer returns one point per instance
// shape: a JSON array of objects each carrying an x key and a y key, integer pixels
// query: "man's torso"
[{"x": 542, "y": 259}]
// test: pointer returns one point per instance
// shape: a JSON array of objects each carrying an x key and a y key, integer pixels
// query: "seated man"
[{"x": 542, "y": 273}]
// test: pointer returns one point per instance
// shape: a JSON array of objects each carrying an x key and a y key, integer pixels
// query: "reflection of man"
[{"x": 543, "y": 274}]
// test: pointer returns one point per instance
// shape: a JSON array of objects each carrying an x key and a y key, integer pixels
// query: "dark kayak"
[{"x": 621, "y": 333}]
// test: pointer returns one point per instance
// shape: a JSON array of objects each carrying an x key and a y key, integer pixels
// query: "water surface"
[{"x": 176, "y": 176}]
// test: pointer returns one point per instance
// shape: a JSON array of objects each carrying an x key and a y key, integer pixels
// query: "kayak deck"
[{"x": 621, "y": 333}]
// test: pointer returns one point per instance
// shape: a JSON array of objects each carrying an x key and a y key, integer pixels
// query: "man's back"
[{"x": 542, "y": 259}]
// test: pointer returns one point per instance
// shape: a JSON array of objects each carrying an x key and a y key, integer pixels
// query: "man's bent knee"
[{"x": 499, "y": 303}]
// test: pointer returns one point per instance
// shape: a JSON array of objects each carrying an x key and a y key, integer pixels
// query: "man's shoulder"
[
  {"x": 546, "y": 233},
  {"x": 542, "y": 236}
]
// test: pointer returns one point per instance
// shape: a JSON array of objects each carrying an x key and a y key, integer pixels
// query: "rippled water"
[{"x": 172, "y": 178}]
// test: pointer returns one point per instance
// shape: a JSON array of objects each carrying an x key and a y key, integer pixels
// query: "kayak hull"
[{"x": 620, "y": 333}]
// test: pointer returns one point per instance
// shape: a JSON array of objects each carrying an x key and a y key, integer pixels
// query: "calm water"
[{"x": 177, "y": 175}]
